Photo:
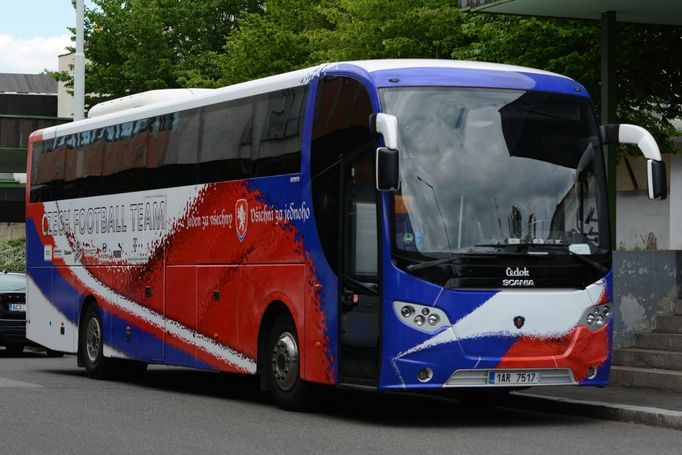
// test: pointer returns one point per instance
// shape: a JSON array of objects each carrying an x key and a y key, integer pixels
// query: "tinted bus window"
[
  {"x": 226, "y": 141},
  {"x": 278, "y": 122}
]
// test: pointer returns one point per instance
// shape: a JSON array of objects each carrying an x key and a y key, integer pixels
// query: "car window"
[{"x": 12, "y": 283}]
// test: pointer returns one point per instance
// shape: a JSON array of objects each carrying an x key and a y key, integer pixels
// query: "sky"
[{"x": 33, "y": 33}]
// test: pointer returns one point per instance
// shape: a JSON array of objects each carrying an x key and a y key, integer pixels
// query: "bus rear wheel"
[
  {"x": 283, "y": 369},
  {"x": 92, "y": 346}
]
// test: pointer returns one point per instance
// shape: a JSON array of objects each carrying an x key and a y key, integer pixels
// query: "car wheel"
[
  {"x": 14, "y": 349},
  {"x": 92, "y": 345},
  {"x": 283, "y": 367}
]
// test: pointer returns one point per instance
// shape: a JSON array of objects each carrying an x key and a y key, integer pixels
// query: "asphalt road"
[{"x": 49, "y": 406}]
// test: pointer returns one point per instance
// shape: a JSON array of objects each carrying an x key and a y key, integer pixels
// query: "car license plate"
[
  {"x": 513, "y": 377},
  {"x": 17, "y": 307}
]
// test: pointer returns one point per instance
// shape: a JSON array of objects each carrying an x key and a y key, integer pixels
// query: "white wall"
[
  {"x": 64, "y": 99},
  {"x": 637, "y": 218}
]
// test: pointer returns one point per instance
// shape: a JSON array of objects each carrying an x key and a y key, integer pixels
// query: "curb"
[{"x": 599, "y": 410}]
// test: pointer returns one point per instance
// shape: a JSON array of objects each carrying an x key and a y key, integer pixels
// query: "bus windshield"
[{"x": 492, "y": 170}]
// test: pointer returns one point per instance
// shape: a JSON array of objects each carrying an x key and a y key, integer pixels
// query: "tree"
[
  {"x": 366, "y": 29},
  {"x": 291, "y": 34},
  {"x": 272, "y": 41},
  {"x": 138, "y": 45}
]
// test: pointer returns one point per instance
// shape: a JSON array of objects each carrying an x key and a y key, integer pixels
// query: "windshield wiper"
[
  {"x": 427, "y": 264},
  {"x": 597, "y": 266},
  {"x": 452, "y": 258}
]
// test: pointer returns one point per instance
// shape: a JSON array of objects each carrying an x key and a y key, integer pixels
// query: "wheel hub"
[
  {"x": 285, "y": 361},
  {"x": 93, "y": 339}
]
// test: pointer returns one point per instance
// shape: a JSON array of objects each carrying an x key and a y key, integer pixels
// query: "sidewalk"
[{"x": 644, "y": 406}]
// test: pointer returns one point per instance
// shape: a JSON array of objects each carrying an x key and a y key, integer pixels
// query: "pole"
[
  {"x": 79, "y": 66},
  {"x": 608, "y": 105}
]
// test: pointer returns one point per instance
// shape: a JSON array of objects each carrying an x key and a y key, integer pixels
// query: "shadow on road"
[
  {"x": 27, "y": 354},
  {"x": 389, "y": 409}
]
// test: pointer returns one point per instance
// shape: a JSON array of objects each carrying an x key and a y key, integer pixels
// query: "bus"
[{"x": 420, "y": 225}]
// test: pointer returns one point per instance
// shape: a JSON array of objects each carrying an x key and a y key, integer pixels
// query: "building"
[{"x": 27, "y": 102}]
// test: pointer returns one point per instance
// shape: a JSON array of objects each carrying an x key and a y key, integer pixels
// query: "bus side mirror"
[
  {"x": 657, "y": 184},
  {"x": 387, "y": 159},
  {"x": 632, "y": 134},
  {"x": 388, "y": 169}
]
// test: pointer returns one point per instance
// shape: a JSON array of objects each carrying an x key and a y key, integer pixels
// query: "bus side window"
[
  {"x": 37, "y": 170},
  {"x": 180, "y": 165},
  {"x": 278, "y": 122},
  {"x": 225, "y": 141}
]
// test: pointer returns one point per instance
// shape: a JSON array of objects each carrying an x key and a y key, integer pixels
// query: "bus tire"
[
  {"x": 283, "y": 367},
  {"x": 92, "y": 346}
]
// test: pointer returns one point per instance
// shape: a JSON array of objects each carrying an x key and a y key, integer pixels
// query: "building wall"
[
  {"x": 65, "y": 99},
  {"x": 645, "y": 283},
  {"x": 12, "y": 231},
  {"x": 643, "y": 224}
]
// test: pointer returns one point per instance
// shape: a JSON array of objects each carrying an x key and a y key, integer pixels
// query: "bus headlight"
[
  {"x": 597, "y": 316},
  {"x": 407, "y": 311},
  {"x": 434, "y": 319},
  {"x": 421, "y": 317}
]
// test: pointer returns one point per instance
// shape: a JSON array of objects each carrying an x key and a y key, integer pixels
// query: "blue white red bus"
[{"x": 396, "y": 225}]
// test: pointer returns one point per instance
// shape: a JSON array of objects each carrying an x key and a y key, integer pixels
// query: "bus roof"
[{"x": 139, "y": 106}]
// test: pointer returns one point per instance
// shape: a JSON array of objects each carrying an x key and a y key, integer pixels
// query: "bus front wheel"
[{"x": 283, "y": 367}]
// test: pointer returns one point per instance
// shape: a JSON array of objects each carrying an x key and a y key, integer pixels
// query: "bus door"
[
  {"x": 359, "y": 302},
  {"x": 345, "y": 201}
]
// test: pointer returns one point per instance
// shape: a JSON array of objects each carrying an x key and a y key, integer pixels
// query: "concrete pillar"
[{"x": 675, "y": 196}]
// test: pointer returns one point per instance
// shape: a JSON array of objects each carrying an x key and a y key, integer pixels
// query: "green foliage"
[
  {"x": 139, "y": 45},
  {"x": 292, "y": 34},
  {"x": 13, "y": 255},
  {"x": 272, "y": 42},
  {"x": 366, "y": 29}
]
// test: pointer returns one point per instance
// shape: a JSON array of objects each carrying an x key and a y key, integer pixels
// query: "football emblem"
[{"x": 241, "y": 209}]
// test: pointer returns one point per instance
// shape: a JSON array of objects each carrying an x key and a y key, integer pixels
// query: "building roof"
[
  {"x": 28, "y": 83},
  {"x": 665, "y": 12}
]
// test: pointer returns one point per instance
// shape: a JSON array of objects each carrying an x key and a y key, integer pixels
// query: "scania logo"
[
  {"x": 517, "y": 277},
  {"x": 519, "y": 321},
  {"x": 517, "y": 272}
]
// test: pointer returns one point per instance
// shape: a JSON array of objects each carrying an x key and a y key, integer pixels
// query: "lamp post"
[{"x": 79, "y": 66}]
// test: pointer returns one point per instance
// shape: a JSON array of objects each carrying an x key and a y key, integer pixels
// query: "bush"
[{"x": 13, "y": 255}]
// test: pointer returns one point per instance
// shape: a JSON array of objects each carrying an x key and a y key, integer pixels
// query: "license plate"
[
  {"x": 513, "y": 377},
  {"x": 17, "y": 307}
]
